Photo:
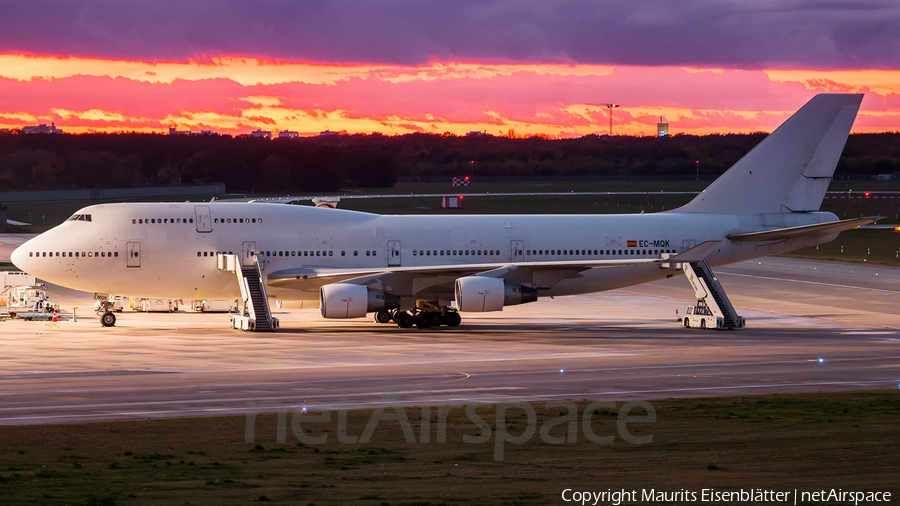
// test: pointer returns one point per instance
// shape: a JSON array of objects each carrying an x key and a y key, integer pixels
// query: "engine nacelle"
[
  {"x": 481, "y": 294},
  {"x": 345, "y": 300}
]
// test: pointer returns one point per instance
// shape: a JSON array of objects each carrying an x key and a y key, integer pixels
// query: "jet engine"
[
  {"x": 345, "y": 300},
  {"x": 482, "y": 294}
]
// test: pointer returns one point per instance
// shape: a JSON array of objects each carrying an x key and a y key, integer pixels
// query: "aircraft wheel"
[
  {"x": 404, "y": 320},
  {"x": 108, "y": 319},
  {"x": 687, "y": 323},
  {"x": 383, "y": 317},
  {"x": 452, "y": 319},
  {"x": 435, "y": 319},
  {"x": 423, "y": 321}
]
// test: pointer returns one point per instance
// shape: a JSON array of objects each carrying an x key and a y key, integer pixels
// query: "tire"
[
  {"x": 383, "y": 317},
  {"x": 435, "y": 319},
  {"x": 423, "y": 321},
  {"x": 404, "y": 320},
  {"x": 108, "y": 319},
  {"x": 452, "y": 319},
  {"x": 687, "y": 323}
]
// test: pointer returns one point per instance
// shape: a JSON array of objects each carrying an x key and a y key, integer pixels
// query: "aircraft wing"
[
  {"x": 408, "y": 281},
  {"x": 817, "y": 230}
]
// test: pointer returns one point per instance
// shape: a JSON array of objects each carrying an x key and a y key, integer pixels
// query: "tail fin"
[{"x": 790, "y": 169}]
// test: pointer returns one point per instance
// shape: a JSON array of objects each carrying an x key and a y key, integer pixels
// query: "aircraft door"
[
  {"x": 393, "y": 253},
  {"x": 204, "y": 222},
  {"x": 248, "y": 251},
  {"x": 516, "y": 251},
  {"x": 688, "y": 244},
  {"x": 133, "y": 254}
]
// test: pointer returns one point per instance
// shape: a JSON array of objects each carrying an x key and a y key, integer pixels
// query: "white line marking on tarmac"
[
  {"x": 807, "y": 282},
  {"x": 431, "y": 401}
]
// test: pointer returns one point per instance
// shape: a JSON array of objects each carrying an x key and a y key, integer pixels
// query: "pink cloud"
[{"x": 528, "y": 101}]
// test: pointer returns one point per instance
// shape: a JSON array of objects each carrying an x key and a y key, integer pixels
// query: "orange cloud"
[{"x": 236, "y": 95}]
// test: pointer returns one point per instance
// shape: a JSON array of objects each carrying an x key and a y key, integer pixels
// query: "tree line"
[{"x": 246, "y": 164}]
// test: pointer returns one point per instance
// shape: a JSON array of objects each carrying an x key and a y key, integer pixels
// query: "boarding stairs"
[
  {"x": 710, "y": 292},
  {"x": 254, "y": 313}
]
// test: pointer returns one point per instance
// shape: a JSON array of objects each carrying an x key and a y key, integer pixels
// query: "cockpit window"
[{"x": 80, "y": 217}]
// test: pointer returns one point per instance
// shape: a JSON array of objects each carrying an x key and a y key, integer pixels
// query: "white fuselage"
[{"x": 169, "y": 250}]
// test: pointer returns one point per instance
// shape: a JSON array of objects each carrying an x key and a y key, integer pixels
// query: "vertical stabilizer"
[{"x": 789, "y": 171}]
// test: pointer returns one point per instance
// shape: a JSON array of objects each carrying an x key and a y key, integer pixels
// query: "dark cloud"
[{"x": 704, "y": 33}]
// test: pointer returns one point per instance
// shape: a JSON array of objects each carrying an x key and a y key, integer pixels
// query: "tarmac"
[{"x": 812, "y": 326}]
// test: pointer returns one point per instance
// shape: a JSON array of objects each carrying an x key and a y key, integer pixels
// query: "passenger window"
[
  {"x": 355, "y": 253},
  {"x": 318, "y": 253},
  {"x": 293, "y": 253},
  {"x": 343, "y": 253},
  {"x": 331, "y": 253},
  {"x": 253, "y": 220},
  {"x": 428, "y": 252},
  {"x": 368, "y": 253}
]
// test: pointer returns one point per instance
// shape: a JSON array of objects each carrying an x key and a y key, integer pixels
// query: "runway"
[{"x": 813, "y": 326}]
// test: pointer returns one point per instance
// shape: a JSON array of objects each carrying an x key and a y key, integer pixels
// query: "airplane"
[{"x": 425, "y": 270}]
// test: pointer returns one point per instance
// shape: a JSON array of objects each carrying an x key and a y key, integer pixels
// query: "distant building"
[
  {"x": 326, "y": 133},
  {"x": 261, "y": 133},
  {"x": 475, "y": 133},
  {"x": 206, "y": 132},
  {"x": 662, "y": 128},
  {"x": 42, "y": 129},
  {"x": 288, "y": 134},
  {"x": 172, "y": 131}
]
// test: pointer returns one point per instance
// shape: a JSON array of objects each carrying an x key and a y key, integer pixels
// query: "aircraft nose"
[{"x": 19, "y": 258}]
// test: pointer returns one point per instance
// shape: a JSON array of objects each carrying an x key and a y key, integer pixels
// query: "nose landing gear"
[{"x": 108, "y": 319}]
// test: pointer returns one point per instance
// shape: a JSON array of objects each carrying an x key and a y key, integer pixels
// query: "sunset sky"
[{"x": 399, "y": 66}]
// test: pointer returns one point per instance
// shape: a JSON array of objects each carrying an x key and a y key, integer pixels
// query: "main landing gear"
[{"x": 419, "y": 318}]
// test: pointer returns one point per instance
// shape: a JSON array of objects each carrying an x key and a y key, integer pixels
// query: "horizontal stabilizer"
[
  {"x": 817, "y": 230},
  {"x": 695, "y": 254}
]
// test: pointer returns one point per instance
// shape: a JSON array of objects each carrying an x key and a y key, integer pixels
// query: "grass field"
[{"x": 806, "y": 441}]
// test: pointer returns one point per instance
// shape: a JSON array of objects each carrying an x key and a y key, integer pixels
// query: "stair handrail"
[{"x": 245, "y": 291}]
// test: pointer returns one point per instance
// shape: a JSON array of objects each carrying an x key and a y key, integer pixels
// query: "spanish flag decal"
[{"x": 632, "y": 244}]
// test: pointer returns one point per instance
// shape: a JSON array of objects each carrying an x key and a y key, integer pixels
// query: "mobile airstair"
[
  {"x": 710, "y": 298},
  {"x": 253, "y": 309}
]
